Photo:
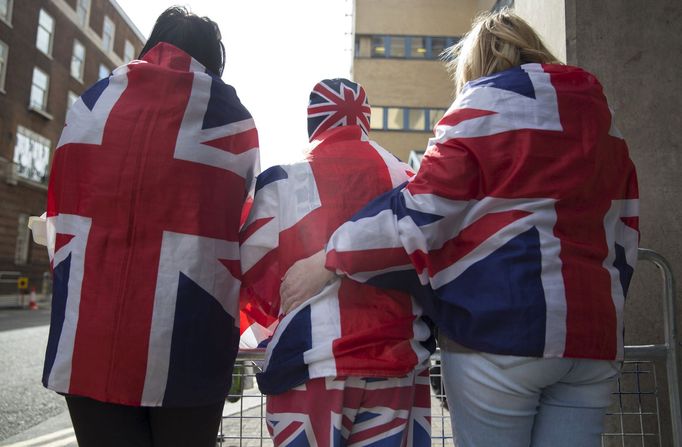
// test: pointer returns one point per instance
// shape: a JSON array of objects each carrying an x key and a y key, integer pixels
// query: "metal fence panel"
[{"x": 633, "y": 419}]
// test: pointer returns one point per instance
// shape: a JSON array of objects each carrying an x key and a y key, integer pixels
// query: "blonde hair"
[{"x": 497, "y": 41}]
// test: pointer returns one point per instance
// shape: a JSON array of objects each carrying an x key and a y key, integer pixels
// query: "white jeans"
[{"x": 509, "y": 401}]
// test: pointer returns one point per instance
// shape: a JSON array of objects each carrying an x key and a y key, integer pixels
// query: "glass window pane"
[
  {"x": 378, "y": 46},
  {"x": 31, "y": 154},
  {"x": 44, "y": 33},
  {"x": 71, "y": 98},
  {"x": 77, "y": 60},
  {"x": 3, "y": 64},
  {"x": 417, "y": 119},
  {"x": 377, "y": 119},
  {"x": 438, "y": 45},
  {"x": 397, "y": 46},
  {"x": 37, "y": 97},
  {"x": 4, "y": 9},
  {"x": 39, "y": 89},
  {"x": 418, "y": 47},
  {"x": 434, "y": 116},
  {"x": 40, "y": 79},
  {"x": 103, "y": 72},
  {"x": 108, "y": 31},
  {"x": 43, "y": 41},
  {"x": 395, "y": 118},
  {"x": 78, "y": 50},
  {"x": 128, "y": 52},
  {"x": 46, "y": 21},
  {"x": 82, "y": 9}
]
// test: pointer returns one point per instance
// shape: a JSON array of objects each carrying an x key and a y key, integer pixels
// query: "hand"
[{"x": 303, "y": 280}]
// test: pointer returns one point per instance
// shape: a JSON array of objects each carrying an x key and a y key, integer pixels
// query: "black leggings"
[{"x": 100, "y": 424}]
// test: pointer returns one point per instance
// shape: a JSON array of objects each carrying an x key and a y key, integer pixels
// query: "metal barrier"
[
  {"x": 633, "y": 419},
  {"x": 16, "y": 299},
  {"x": 635, "y": 413}
]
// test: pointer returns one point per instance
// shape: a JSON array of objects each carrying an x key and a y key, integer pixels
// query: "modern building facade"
[
  {"x": 50, "y": 52},
  {"x": 397, "y": 58}
]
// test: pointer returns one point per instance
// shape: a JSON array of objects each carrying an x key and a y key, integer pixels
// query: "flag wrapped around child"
[{"x": 348, "y": 329}]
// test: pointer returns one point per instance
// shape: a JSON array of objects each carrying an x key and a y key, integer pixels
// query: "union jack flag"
[
  {"x": 337, "y": 102},
  {"x": 521, "y": 224},
  {"x": 147, "y": 186},
  {"x": 330, "y": 412},
  {"x": 348, "y": 329}
]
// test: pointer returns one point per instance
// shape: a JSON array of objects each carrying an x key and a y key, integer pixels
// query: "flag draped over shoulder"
[
  {"x": 521, "y": 224},
  {"x": 348, "y": 329},
  {"x": 144, "y": 201}
]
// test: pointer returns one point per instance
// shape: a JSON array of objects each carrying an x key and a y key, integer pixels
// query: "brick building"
[{"x": 50, "y": 52}]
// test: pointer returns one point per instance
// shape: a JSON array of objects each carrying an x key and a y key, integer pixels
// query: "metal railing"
[
  {"x": 633, "y": 419},
  {"x": 15, "y": 299},
  {"x": 636, "y": 409}
]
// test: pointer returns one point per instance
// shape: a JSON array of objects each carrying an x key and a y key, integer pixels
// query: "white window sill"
[
  {"x": 40, "y": 112},
  {"x": 32, "y": 183}
]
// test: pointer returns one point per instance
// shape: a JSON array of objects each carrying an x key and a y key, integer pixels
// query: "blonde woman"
[{"x": 518, "y": 236}]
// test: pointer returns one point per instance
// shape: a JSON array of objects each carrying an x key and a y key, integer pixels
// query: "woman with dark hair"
[
  {"x": 147, "y": 186},
  {"x": 198, "y": 36}
]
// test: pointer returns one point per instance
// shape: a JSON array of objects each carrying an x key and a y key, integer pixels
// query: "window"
[
  {"x": 31, "y": 155},
  {"x": 395, "y": 118},
  {"x": 418, "y": 47},
  {"x": 405, "y": 119},
  {"x": 103, "y": 71},
  {"x": 415, "y": 159},
  {"x": 410, "y": 47},
  {"x": 23, "y": 241},
  {"x": 45, "y": 32},
  {"x": 108, "y": 33},
  {"x": 82, "y": 11},
  {"x": 434, "y": 116},
  {"x": 416, "y": 119},
  {"x": 39, "y": 89},
  {"x": 78, "y": 60},
  {"x": 128, "y": 52},
  {"x": 440, "y": 44},
  {"x": 377, "y": 118},
  {"x": 396, "y": 46},
  {"x": 4, "y": 52},
  {"x": 378, "y": 46},
  {"x": 71, "y": 99},
  {"x": 6, "y": 10}
]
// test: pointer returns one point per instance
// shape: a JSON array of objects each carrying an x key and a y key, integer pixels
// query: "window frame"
[
  {"x": 102, "y": 69},
  {"x": 128, "y": 45},
  {"x": 107, "y": 21},
  {"x": 8, "y": 18},
  {"x": 406, "y": 112},
  {"x": 71, "y": 98},
  {"x": 50, "y": 33},
  {"x": 36, "y": 138},
  {"x": 3, "y": 65},
  {"x": 81, "y": 74},
  {"x": 46, "y": 94},
  {"x": 85, "y": 16},
  {"x": 410, "y": 40}
]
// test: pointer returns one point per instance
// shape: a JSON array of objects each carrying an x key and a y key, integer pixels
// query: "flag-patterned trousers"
[{"x": 353, "y": 411}]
